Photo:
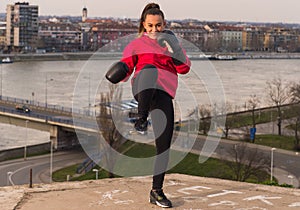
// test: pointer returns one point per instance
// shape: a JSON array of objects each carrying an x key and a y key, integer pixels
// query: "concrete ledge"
[{"x": 186, "y": 192}]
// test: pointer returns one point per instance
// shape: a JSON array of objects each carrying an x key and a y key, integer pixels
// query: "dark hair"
[{"x": 150, "y": 9}]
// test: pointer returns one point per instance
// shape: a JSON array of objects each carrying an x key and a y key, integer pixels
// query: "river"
[{"x": 55, "y": 81}]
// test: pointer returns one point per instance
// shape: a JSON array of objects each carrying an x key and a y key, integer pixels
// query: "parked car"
[{"x": 23, "y": 108}]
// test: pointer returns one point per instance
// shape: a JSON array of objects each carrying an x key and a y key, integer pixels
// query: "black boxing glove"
[
  {"x": 117, "y": 72},
  {"x": 168, "y": 39}
]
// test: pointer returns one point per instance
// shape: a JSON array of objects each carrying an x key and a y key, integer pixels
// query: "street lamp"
[
  {"x": 1, "y": 78},
  {"x": 272, "y": 160},
  {"x": 26, "y": 135},
  {"x": 96, "y": 170},
  {"x": 46, "y": 90},
  {"x": 51, "y": 159},
  {"x": 291, "y": 177},
  {"x": 32, "y": 94},
  {"x": 9, "y": 181}
]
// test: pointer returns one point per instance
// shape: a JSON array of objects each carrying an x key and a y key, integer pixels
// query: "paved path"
[{"x": 186, "y": 192}]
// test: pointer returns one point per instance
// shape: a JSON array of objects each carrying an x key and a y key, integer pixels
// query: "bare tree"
[
  {"x": 245, "y": 162},
  {"x": 295, "y": 125},
  {"x": 213, "y": 42},
  {"x": 253, "y": 103},
  {"x": 231, "y": 119},
  {"x": 107, "y": 127},
  {"x": 205, "y": 114},
  {"x": 278, "y": 95},
  {"x": 295, "y": 93}
]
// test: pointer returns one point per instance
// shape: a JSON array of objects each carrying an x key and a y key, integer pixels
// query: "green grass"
[
  {"x": 61, "y": 175},
  {"x": 282, "y": 142},
  {"x": 188, "y": 165},
  {"x": 211, "y": 168}
]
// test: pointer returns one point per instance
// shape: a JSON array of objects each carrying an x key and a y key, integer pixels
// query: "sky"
[{"x": 285, "y": 11}]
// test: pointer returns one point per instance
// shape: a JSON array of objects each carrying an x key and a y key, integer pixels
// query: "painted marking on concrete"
[
  {"x": 224, "y": 203},
  {"x": 192, "y": 209},
  {"x": 189, "y": 195},
  {"x": 173, "y": 183},
  {"x": 111, "y": 196},
  {"x": 225, "y": 192},
  {"x": 297, "y": 204},
  {"x": 193, "y": 188},
  {"x": 190, "y": 199},
  {"x": 262, "y": 198}
]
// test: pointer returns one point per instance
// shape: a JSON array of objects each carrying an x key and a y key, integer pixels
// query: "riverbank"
[
  {"x": 60, "y": 56},
  {"x": 117, "y": 55}
]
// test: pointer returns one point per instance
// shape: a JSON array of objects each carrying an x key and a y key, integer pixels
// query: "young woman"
[{"x": 156, "y": 58}]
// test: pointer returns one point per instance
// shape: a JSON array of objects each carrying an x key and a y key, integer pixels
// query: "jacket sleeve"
[
  {"x": 130, "y": 59},
  {"x": 184, "y": 67}
]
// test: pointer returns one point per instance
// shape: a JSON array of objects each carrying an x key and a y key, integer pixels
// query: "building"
[
  {"x": 84, "y": 14},
  {"x": 105, "y": 33},
  {"x": 231, "y": 38},
  {"x": 85, "y": 28},
  {"x": 256, "y": 39},
  {"x": 2, "y": 35},
  {"x": 59, "y": 37},
  {"x": 21, "y": 26}
]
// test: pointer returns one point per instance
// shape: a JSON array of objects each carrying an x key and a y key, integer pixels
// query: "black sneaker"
[
  {"x": 141, "y": 125},
  {"x": 158, "y": 197}
]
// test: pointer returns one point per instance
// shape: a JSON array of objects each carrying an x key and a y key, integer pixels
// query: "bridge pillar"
[
  {"x": 63, "y": 138},
  {"x": 53, "y": 136},
  {"x": 66, "y": 138}
]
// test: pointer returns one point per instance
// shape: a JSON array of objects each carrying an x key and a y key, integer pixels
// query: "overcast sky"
[{"x": 287, "y": 11}]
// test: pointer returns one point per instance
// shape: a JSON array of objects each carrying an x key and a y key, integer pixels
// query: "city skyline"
[{"x": 212, "y": 10}]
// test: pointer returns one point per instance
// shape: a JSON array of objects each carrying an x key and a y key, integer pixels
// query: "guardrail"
[
  {"x": 47, "y": 118},
  {"x": 49, "y": 107}
]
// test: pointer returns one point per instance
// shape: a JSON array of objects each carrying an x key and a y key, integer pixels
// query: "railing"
[
  {"x": 85, "y": 118},
  {"x": 49, "y": 107},
  {"x": 58, "y": 119}
]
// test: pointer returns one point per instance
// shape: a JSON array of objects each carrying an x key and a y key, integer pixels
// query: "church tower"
[{"x": 84, "y": 14}]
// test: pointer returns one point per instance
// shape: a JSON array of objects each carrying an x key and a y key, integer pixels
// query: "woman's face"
[{"x": 154, "y": 24}]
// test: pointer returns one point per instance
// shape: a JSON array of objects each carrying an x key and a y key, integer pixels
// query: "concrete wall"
[{"x": 19, "y": 152}]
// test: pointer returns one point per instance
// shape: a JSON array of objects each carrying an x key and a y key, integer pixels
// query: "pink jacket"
[{"x": 143, "y": 51}]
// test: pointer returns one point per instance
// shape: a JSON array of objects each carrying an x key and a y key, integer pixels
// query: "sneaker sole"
[
  {"x": 158, "y": 204},
  {"x": 138, "y": 132}
]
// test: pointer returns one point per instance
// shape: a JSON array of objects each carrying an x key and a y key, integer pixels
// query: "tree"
[
  {"x": 295, "y": 98},
  {"x": 253, "y": 103},
  {"x": 231, "y": 119},
  {"x": 278, "y": 95},
  {"x": 245, "y": 162},
  {"x": 107, "y": 127},
  {"x": 205, "y": 114},
  {"x": 295, "y": 93}
]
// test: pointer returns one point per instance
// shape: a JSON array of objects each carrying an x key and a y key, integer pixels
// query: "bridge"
[{"x": 56, "y": 120}]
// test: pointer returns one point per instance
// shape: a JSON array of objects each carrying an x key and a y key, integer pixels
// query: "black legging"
[{"x": 150, "y": 97}]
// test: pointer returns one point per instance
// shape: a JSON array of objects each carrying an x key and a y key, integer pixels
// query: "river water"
[{"x": 55, "y": 82}]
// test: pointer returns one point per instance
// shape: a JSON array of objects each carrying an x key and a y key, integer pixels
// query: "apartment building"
[
  {"x": 231, "y": 38},
  {"x": 59, "y": 37},
  {"x": 21, "y": 26},
  {"x": 2, "y": 34},
  {"x": 105, "y": 34}
]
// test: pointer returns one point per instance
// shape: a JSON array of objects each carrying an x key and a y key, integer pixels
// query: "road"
[
  {"x": 286, "y": 162},
  {"x": 17, "y": 172}
]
